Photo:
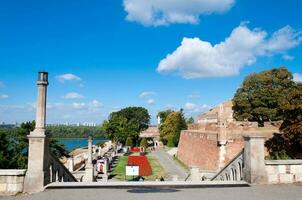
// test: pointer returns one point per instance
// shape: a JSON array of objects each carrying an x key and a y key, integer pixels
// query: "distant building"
[{"x": 212, "y": 115}]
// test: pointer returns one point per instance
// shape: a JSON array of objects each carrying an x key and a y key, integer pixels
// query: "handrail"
[
  {"x": 232, "y": 171},
  {"x": 58, "y": 172}
]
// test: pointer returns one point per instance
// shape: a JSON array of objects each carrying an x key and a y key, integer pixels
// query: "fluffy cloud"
[
  {"x": 196, "y": 58},
  {"x": 147, "y": 94},
  {"x": 3, "y": 96},
  {"x": 297, "y": 77},
  {"x": 68, "y": 77},
  {"x": 194, "y": 108},
  {"x": 73, "y": 95},
  {"x": 164, "y": 12},
  {"x": 151, "y": 101}
]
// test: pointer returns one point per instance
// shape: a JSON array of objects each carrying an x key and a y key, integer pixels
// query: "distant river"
[{"x": 72, "y": 143}]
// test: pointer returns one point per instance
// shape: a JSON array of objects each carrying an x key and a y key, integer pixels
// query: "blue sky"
[{"x": 103, "y": 55}]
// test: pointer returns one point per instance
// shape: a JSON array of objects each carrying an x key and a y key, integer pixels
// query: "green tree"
[
  {"x": 14, "y": 146},
  {"x": 128, "y": 122},
  {"x": 190, "y": 120},
  {"x": 129, "y": 142},
  {"x": 4, "y": 153},
  {"x": 171, "y": 128},
  {"x": 288, "y": 144},
  {"x": 261, "y": 95},
  {"x": 144, "y": 143},
  {"x": 164, "y": 114}
]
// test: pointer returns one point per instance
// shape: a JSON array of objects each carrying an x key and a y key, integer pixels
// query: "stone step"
[{"x": 148, "y": 184}]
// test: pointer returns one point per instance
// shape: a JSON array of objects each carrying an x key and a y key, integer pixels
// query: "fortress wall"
[{"x": 199, "y": 149}]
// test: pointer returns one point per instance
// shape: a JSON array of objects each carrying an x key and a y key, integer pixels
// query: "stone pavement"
[
  {"x": 266, "y": 192},
  {"x": 170, "y": 166}
]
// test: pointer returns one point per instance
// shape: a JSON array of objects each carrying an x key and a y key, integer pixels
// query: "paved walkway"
[
  {"x": 276, "y": 192},
  {"x": 170, "y": 166}
]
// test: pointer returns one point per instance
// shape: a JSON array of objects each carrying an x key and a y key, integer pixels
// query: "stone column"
[
  {"x": 254, "y": 165},
  {"x": 70, "y": 164},
  {"x": 195, "y": 176},
  {"x": 89, "y": 172},
  {"x": 37, "y": 174},
  {"x": 222, "y": 136}
]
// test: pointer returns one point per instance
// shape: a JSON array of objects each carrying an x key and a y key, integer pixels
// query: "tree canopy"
[
  {"x": 163, "y": 115},
  {"x": 171, "y": 128},
  {"x": 288, "y": 144},
  {"x": 261, "y": 95},
  {"x": 127, "y": 122}
]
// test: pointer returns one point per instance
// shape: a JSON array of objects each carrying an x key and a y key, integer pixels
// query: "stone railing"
[
  {"x": 58, "y": 172},
  {"x": 283, "y": 171},
  {"x": 11, "y": 181},
  {"x": 233, "y": 171}
]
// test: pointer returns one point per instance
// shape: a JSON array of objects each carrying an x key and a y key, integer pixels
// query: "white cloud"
[
  {"x": 78, "y": 105},
  {"x": 3, "y": 96},
  {"x": 194, "y": 108},
  {"x": 196, "y": 58},
  {"x": 151, "y": 101},
  {"x": 68, "y": 77},
  {"x": 96, "y": 104},
  {"x": 190, "y": 106},
  {"x": 73, "y": 95},
  {"x": 164, "y": 12},
  {"x": 297, "y": 77},
  {"x": 147, "y": 94},
  {"x": 288, "y": 57}
]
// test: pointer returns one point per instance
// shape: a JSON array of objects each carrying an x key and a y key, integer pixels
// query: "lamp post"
[{"x": 37, "y": 174}]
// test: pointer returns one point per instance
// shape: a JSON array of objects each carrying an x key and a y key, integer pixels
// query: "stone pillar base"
[
  {"x": 37, "y": 175},
  {"x": 88, "y": 177}
]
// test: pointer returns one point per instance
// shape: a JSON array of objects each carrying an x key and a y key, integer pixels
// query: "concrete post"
[
  {"x": 254, "y": 165},
  {"x": 70, "y": 164},
  {"x": 37, "y": 174},
  {"x": 195, "y": 176},
  {"x": 89, "y": 171}
]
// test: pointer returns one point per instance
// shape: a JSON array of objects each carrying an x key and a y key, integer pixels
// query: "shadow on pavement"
[{"x": 153, "y": 190}]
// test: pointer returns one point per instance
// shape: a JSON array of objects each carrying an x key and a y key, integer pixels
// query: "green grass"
[
  {"x": 119, "y": 170},
  {"x": 183, "y": 165},
  {"x": 157, "y": 170}
]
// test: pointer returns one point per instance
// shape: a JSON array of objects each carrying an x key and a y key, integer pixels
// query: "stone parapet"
[
  {"x": 283, "y": 171},
  {"x": 11, "y": 181}
]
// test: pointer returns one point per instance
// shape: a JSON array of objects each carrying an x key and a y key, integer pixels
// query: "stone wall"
[
  {"x": 11, "y": 181},
  {"x": 283, "y": 171}
]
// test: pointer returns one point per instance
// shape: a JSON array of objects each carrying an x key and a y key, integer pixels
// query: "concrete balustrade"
[{"x": 11, "y": 181}]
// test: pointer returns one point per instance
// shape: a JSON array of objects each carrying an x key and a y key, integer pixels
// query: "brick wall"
[{"x": 199, "y": 149}]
